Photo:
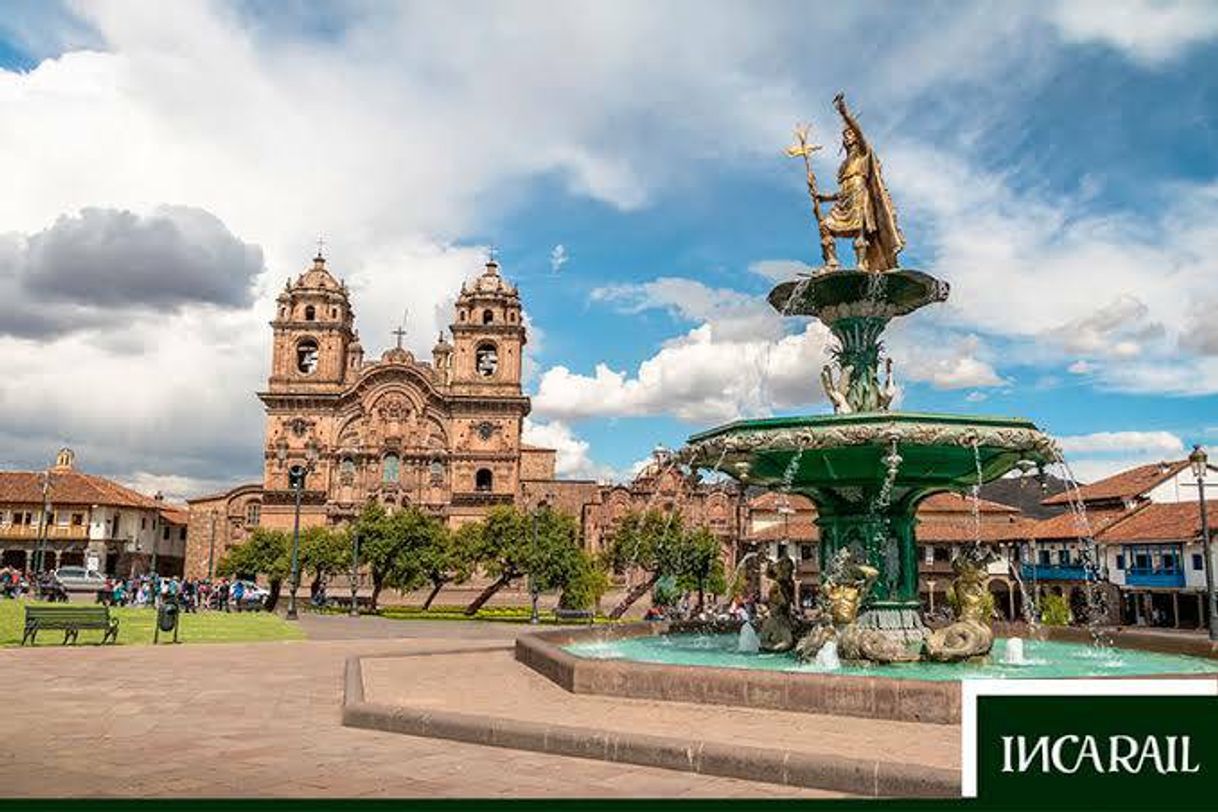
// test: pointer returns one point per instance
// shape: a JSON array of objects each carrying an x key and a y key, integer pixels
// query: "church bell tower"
[{"x": 313, "y": 333}]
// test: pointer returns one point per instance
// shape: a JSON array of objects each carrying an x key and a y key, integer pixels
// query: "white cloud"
[
  {"x": 572, "y": 460},
  {"x": 1081, "y": 367},
  {"x": 699, "y": 377},
  {"x": 780, "y": 270},
  {"x": 1150, "y": 31},
  {"x": 1123, "y": 442},
  {"x": 558, "y": 257}
]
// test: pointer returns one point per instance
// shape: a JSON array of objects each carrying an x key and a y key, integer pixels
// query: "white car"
[
  {"x": 252, "y": 595},
  {"x": 80, "y": 579}
]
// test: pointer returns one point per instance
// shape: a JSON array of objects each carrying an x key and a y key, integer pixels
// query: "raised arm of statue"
[{"x": 839, "y": 101}]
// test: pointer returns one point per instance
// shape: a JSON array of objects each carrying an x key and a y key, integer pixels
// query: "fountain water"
[{"x": 748, "y": 642}]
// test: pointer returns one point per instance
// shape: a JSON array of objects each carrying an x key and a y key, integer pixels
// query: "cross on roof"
[
  {"x": 400, "y": 332},
  {"x": 320, "y": 245}
]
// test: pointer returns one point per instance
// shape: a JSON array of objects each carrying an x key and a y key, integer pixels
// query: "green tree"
[
  {"x": 586, "y": 588},
  {"x": 265, "y": 552},
  {"x": 511, "y": 544},
  {"x": 448, "y": 557},
  {"x": 323, "y": 552},
  {"x": 390, "y": 544},
  {"x": 700, "y": 565},
  {"x": 653, "y": 542}
]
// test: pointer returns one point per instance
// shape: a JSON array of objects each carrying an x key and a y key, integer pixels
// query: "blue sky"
[{"x": 1057, "y": 164}]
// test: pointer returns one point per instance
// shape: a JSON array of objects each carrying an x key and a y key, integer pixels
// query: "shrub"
[{"x": 1054, "y": 611}]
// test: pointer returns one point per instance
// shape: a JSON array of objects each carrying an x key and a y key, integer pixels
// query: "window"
[
  {"x": 1169, "y": 562},
  {"x": 1044, "y": 558},
  {"x": 806, "y": 552},
  {"x": 306, "y": 356},
  {"x": 61, "y": 517},
  {"x": 165, "y": 532},
  {"x": 143, "y": 523},
  {"x": 487, "y": 316},
  {"x": 1197, "y": 561},
  {"x": 310, "y": 313},
  {"x": 437, "y": 473},
  {"x": 782, "y": 550},
  {"x": 483, "y": 480},
  {"x": 182, "y": 533},
  {"x": 1120, "y": 564},
  {"x": 253, "y": 514},
  {"x": 390, "y": 468},
  {"x": 929, "y": 555},
  {"x": 941, "y": 553},
  {"x": 78, "y": 519},
  {"x": 461, "y": 316},
  {"x": 486, "y": 359},
  {"x": 1063, "y": 557},
  {"x": 346, "y": 472}
]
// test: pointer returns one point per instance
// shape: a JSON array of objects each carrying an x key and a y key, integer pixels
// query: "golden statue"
[{"x": 862, "y": 209}]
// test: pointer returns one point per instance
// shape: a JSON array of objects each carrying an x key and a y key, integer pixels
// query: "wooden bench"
[
  {"x": 70, "y": 619},
  {"x": 574, "y": 614}
]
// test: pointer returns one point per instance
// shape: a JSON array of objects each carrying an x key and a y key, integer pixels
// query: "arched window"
[
  {"x": 437, "y": 473},
  {"x": 306, "y": 355},
  {"x": 483, "y": 480},
  {"x": 310, "y": 313},
  {"x": 253, "y": 514},
  {"x": 461, "y": 315},
  {"x": 486, "y": 359},
  {"x": 390, "y": 468},
  {"x": 487, "y": 316},
  {"x": 346, "y": 471}
]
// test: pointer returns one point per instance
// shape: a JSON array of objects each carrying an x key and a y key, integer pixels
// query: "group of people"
[
  {"x": 15, "y": 583},
  {"x": 190, "y": 594}
]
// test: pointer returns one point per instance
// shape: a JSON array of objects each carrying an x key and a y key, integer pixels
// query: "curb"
[{"x": 867, "y": 777}]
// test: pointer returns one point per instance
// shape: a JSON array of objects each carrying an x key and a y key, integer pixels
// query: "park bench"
[
  {"x": 70, "y": 620},
  {"x": 574, "y": 614}
]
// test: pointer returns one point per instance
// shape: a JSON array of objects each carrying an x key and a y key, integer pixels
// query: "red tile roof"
[
  {"x": 951, "y": 502},
  {"x": 1174, "y": 521},
  {"x": 772, "y": 500},
  {"x": 962, "y": 529},
  {"x": 1125, "y": 485},
  {"x": 798, "y": 530},
  {"x": 70, "y": 488},
  {"x": 1069, "y": 526}
]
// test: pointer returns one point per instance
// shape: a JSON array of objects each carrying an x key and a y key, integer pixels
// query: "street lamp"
[
  {"x": 41, "y": 543},
  {"x": 296, "y": 480},
  {"x": 534, "y": 591},
  {"x": 354, "y": 570},
  {"x": 1200, "y": 464}
]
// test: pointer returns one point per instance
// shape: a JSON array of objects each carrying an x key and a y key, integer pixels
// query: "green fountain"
[{"x": 866, "y": 467}]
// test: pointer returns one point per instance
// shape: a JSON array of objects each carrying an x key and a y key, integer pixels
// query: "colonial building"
[
  {"x": 443, "y": 434},
  {"x": 86, "y": 520}
]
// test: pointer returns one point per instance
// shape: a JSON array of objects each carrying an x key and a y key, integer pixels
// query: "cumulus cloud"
[
  {"x": 699, "y": 377},
  {"x": 1123, "y": 442},
  {"x": 98, "y": 266},
  {"x": 558, "y": 257},
  {"x": 1150, "y": 31},
  {"x": 1102, "y": 454},
  {"x": 573, "y": 458}
]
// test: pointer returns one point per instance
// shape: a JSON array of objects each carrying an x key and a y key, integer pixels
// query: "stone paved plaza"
[{"x": 264, "y": 720}]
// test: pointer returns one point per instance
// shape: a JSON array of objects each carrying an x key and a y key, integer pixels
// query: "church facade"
[{"x": 443, "y": 434}]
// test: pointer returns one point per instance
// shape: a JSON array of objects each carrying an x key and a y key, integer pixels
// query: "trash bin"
[{"x": 167, "y": 616}]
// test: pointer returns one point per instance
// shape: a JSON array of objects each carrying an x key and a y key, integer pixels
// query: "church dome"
[
  {"x": 490, "y": 282},
  {"x": 318, "y": 277}
]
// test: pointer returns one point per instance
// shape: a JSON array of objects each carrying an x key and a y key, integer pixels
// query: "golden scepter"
[{"x": 804, "y": 148}]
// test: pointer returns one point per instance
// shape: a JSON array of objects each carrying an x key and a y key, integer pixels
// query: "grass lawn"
[
  {"x": 135, "y": 627},
  {"x": 498, "y": 614}
]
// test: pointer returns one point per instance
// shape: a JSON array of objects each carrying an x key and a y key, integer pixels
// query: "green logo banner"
[{"x": 1141, "y": 744}]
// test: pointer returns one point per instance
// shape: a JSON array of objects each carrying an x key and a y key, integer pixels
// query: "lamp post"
[
  {"x": 43, "y": 522},
  {"x": 211, "y": 550},
  {"x": 534, "y": 592},
  {"x": 296, "y": 480},
  {"x": 354, "y": 571},
  {"x": 1200, "y": 464}
]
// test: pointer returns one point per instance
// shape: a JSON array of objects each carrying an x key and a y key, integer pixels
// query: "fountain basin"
[{"x": 873, "y": 692}]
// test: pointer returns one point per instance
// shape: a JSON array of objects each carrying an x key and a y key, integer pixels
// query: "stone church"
[{"x": 442, "y": 434}]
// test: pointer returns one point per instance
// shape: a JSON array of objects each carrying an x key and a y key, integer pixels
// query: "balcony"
[
  {"x": 1164, "y": 579},
  {"x": 1053, "y": 572},
  {"x": 55, "y": 532}
]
